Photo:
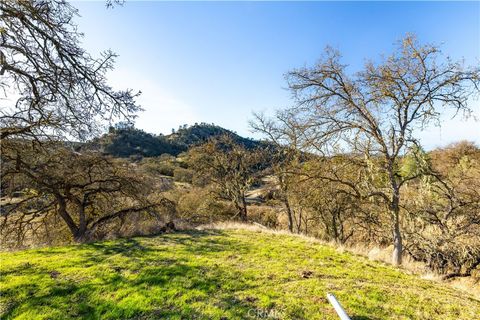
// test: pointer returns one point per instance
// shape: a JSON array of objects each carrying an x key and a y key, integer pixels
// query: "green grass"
[{"x": 215, "y": 275}]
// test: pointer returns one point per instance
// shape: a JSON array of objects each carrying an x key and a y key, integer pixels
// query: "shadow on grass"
[
  {"x": 172, "y": 287},
  {"x": 24, "y": 269},
  {"x": 204, "y": 241},
  {"x": 126, "y": 247},
  {"x": 171, "y": 284},
  {"x": 201, "y": 241}
]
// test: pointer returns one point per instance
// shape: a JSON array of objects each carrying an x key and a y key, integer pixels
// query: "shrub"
[
  {"x": 198, "y": 206},
  {"x": 183, "y": 175}
]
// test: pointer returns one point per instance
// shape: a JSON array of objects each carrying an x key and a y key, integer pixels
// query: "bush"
[
  {"x": 198, "y": 206},
  {"x": 265, "y": 215},
  {"x": 182, "y": 175},
  {"x": 155, "y": 167},
  {"x": 166, "y": 169}
]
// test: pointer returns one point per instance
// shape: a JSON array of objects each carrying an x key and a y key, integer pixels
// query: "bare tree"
[
  {"x": 52, "y": 91},
  {"x": 85, "y": 191},
  {"x": 229, "y": 167},
  {"x": 282, "y": 132},
  {"x": 50, "y": 85},
  {"x": 376, "y": 112}
]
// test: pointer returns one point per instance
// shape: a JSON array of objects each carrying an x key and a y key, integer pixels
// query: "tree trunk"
[
  {"x": 397, "y": 245},
  {"x": 299, "y": 221},
  {"x": 397, "y": 235},
  {"x": 284, "y": 197},
  {"x": 82, "y": 223},
  {"x": 334, "y": 227},
  {"x": 243, "y": 209},
  {"x": 395, "y": 214},
  {"x": 289, "y": 214},
  {"x": 62, "y": 211},
  {"x": 81, "y": 236}
]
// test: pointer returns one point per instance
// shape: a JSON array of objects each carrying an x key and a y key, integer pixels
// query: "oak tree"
[{"x": 377, "y": 111}]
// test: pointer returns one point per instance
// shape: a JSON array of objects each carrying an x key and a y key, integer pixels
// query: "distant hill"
[
  {"x": 187, "y": 137},
  {"x": 125, "y": 140}
]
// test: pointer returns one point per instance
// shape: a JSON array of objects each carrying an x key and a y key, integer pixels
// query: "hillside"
[
  {"x": 125, "y": 141},
  {"x": 189, "y": 136},
  {"x": 215, "y": 274}
]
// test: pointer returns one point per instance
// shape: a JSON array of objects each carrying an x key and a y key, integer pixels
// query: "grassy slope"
[{"x": 215, "y": 275}]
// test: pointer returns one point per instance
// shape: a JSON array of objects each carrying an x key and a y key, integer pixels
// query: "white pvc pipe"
[{"x": 336, "y": 305}]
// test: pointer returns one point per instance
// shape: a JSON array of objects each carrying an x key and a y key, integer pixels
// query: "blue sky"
[{"x": 219, "y": 61}]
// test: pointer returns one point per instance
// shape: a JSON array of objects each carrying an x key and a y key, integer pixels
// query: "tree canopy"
[{"x": 53, "y": 86}]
